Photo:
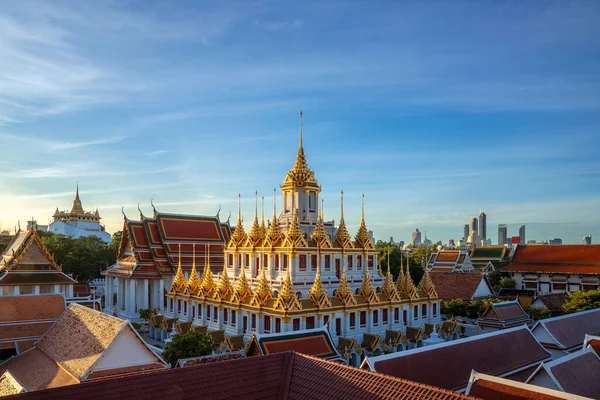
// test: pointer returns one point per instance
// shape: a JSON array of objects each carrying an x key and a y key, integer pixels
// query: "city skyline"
[{"x": 201, "y": 103}]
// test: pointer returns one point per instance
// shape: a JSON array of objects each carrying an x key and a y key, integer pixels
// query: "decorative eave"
[{"x": 287, "y": 300}]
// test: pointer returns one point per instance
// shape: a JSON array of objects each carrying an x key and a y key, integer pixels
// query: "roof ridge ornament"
[
  {"x": 287, "y": 300},
  {"x": 342, "y": 237}
]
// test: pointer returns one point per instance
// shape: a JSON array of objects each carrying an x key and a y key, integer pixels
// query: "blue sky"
[{"x": 432, "y": 109}]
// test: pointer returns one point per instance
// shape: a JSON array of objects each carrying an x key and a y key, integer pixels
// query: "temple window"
[
  {"x": 247, "y": 259},
  {"x": 244, "y": 324},
  {"x": 239, "y": 260},
  {"x": 171, "y": 305},
  {"x": 178, "y": 306},
  {"x": 424, "y": 311},
  {"x": 208, "y": 313},
  {"x": 404, "y": 316},
  {"x": 384, "y": 316},
  {"x": 375, "y": 317},
  {"x": 352, "y": 320},
  {"x": 230, "y": 260},
  {"x": 225, "y": 316},
  {"x": 310, "y": 322},
  {"x": 396, "y": 315},
  {"x": 215, "y": 314},
  {"x": 296, "y": 324},
  {"x": 277, "y": 325},
  {"x": 350, "y": 266},
  {"x": 325, "y": 320},
  {"x": 253, "y": 321},
  {"x": 434, "y": 310},
  {"x": 199, "y": 308},
  {"x": 185, "y": 308},
  {"x": 267, "y": 324},
  {"x": 277, "y": 261},
  {"x": 337, "y": 268},
  {"x": 327, "y": 262},
  {"x": 265, "y": 260},
  {"x": 371, "y": 262},
  {"x": 233, "y": 318},
  {"x": 313, "y": 262},
  {"x": 416, "y": 312},
  {"x": 531, "y": 285},
  {"x": 338, "y": 326},
  {"x": 358, "y": 262},
  {"x": 285, "y": 262},
  {"x": 363, "y": 319},
  {"x": 559, "y": 286},
  {"x": 302, "y": 262}
]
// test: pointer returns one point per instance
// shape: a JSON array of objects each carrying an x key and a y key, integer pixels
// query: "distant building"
[
  {"x": 33, "y": 223},
  {"x": 555, "y": 241},
  {"x": 473, "y": 227},
  {"x": 449, "y": 261},
  {"x": 502, "y": 235},
  {"x": 78, "y": 222},
  {"x": 451, "y": 243},
  {"x": 482, "y": 225},
  {"x": 465, "y": 231},
  {"x": 416, "y": 238},
  {"x": 587, "y": 239},
  {"x": 522, "y": 235}
]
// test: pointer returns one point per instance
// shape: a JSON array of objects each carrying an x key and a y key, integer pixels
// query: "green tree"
[
  {"x": 454, "y": 308},
  {"x": 506, "y": 282},
  {"x": 115, "y": 241},
  {"x": 581, "y": 301},
  {"x": 190, "y": 344}
]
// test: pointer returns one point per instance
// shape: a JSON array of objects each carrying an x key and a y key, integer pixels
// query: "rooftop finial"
[
  {"x": 153, "y": 208},
  {"x": 256, "y": 205},
  {"x": 342, "y": 206},
  {"x": 300, "y": 145},
  {"x": 239, "y": 206},
  {"x": 262, "y": 217},
  {"x": 274, "y": 203},
  {"x": 77, "y": 191},
  {"x": 363, "y": 207}
]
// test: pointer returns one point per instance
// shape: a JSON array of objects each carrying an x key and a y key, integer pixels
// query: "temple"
[
  {"x": 295, "y": 272},
  {"x": 78, "y": 222}
]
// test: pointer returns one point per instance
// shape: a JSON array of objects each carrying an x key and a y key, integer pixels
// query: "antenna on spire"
[
  {"x": 239, "y": 206},
  {"x": 262, "y": 216},
  {"x": 274, "y": 203},
  {"x": 342, "y": 206},
  {"x": 300, "y": 129},
  {"x": 256, "y": 205},
  {"x": 363, "y": 207}
]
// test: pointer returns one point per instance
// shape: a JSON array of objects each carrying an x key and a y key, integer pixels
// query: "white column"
[
  {"x": 16, "y": 292},
  {"x": 161, "y": 296},
  {"x": 108, "y": 297},
  {"x": 131, "y": 309},
  {"x": 36, "y": 289},
  {"x": 145, "y": 303}
]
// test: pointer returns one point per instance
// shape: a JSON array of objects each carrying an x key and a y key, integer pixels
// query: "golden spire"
[
  {"x": 274, "y": 234},
  {"x": 427, "y": 286},
  {"x": 208, "y": 284},
  {"x": 343, "y": 291},
  {"x": 239, "y": 235},
  {"x": 301, "y": 175},
  {"x": 194, "y": 282},
  {"x": 362, "y": 236},
  {"x": 294, "y": 236},
  {"x": 77, "y": 207},
  {"x": 263, "y": 228},
  {"x": 263, "y": 292},
  {"x": 287, "y": 299},
  {"x": 400, "y": 280},
  {"x": 224, "y": 287},
  {"x": 317, "y": 293},
  {"x": 320, "y": 235},
  {"x": 367, "y": 290},
  {"x": 388, "y": 289},
  {"x": 242, "y": 289},
  {"x": 407, "y": 286},
  {"x": 342, "y": 236},
  {"x": 179, "y": 280},
  {"x": 254, "y": 234}
]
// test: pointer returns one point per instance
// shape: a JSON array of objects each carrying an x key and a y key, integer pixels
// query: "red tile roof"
[
  {"x": 505, "y": 315},
  {"x": 569, "y": 330},
  {"x": 554, "y": 302},
  {"x": 492, "y": 388},
  {"x": 278, "y": 376},
  {"x": 312, "y": 342},
  {"x": 593, "y": 342},
  {"x": 583, "y": 259},
  {"x": 448, "y": 365},
  {"x": 29, "y": 308},
  {"x": 457, "y": 285}
]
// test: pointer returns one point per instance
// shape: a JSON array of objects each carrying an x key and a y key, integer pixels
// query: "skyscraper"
[
  {"x": 502, "y": 235},
  {"x": 466, "y": 232},
  {"x": 416, "y": 238},
  {"x": 473, "y": 226},
  {"x": 587, "y": 239},
  {"x": 482, "y": 225},
  {"x": 522, "y": 235},
  {"x": 555, "y": 241}
]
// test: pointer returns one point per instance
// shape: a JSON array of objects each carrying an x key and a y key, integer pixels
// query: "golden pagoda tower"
[
  {"x": 179, "y": 284},
  {"x": 388, "y": 289},
  {"x": 342, "y": 236},
  {"x": 274, "y": 235},
  {"x": 263, "y": 292},
  {"x": 194, "y": 282},
  {"x": 242, "y": 290},
  {"x": 254, "y": 236},
  {"x": 239, "y": 235},
  {"x": 343, "y": 291},
  {"x": 224, "y": 288},
  {"x": 427, "y": 286},
  {"x": 287, "y": 299},
  {"x": 208, "y": 284},
  {"x": 362, "y": 236}
]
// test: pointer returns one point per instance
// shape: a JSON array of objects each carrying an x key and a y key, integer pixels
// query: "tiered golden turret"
[
  {"x": 388, "y": 289},
  {"x": 400, "y": 280},
  {"x": 317, "y": 293},
  {"x": 239, "y": 235},
  {"x": 287, "y": 300},
  {"x": 342, "y": 236},
  {"x": 242, "y": 290},
  {"x": 300, "y": 176},
  {"x": 343, "y": 291},
  {"x": 367, "y": 290},
  {"x": 194, "y": 282},
  {"x": 77, "y": 207},
  {"x": 294, "y": 236},
  {"x": 427, "y": 286},
  {"x": 263, "y": 227},
  {"x": 362, "y": 236},
  {"x": 320, "y": 235},
  {"x": 254, "y": 236},
  {"x": 224, "y": 287},
  {"x": 407, "y": 286},
  {"x": 179, "y": 284},
  {"x": 208, "y": 284},
  {"x": 263, "y": 292},
  {"x": 274, "y": 234}
]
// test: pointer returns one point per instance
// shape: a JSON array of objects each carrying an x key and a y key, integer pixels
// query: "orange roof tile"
[
  {"x": 277, "y": 376},
  {"x": 29, "y": 308},
  {"x": 457, "y": 285},
  {"x": 557, "y": 254},
  {"x": 492, "y": 388},
  {"x": 19, "y": 331}
]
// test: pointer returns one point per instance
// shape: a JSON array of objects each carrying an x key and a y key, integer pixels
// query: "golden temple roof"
[
  {"x": 179, "y": 282},
  {"x": 317, "y": 292},
  {"x": 343, "y": 291},
  {"x": 274, "y": 236},
  {"x": 320, "y": 235},
  {"x": 389, "y": 290},
  {"x": 367, "y": 290},
  {"x": 208, "y": 284},
  {"x": 239, "y": 235},
  {"x": 242, "y": 290},
  {"x": 287, "y": 299},
  {"x": 263, "y": 228},
  {"x": 426, "y": 285},
  {"x": 342, "y": 236},
  {"x": 301, "y": 176},
  {"x": 255, "y": 234},
  {"x": 194, "y": 282},
  {"x": 77, "y": 207},
  {"x": 362, "y": 236},
  {"x": 294, "y": 236},
  {"x": 405, "y": 283},
  {"x": 224, "y": 287},
  {"x": 263, "y": 292}
]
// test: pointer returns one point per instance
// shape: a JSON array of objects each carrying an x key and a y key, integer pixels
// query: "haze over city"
[{"x": 433, "y": 110}]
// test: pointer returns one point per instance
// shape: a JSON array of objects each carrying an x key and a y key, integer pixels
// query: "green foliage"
[
  {"x": 507, "y": 282},
  {"x": 538, "y": 313},
  {"x": 581, "y": 301},
  {"x": 190, "y": 344},
  {"x": 84, "y": 257},
  {"x": 147, "y": 314},
  {"x": 136, "y": 325},
  {"x": 115, "y": 242},
  {"x": 454, "y": 308},
  {"x": 397, "y": 258}
]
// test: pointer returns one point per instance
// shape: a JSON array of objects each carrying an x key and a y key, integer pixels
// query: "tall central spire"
[
  {"x": 300, "y": 176},
  {"x": 300, "y": 144}
]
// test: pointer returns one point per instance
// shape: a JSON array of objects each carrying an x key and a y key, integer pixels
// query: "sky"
[{"x": 433, "y": 110}]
